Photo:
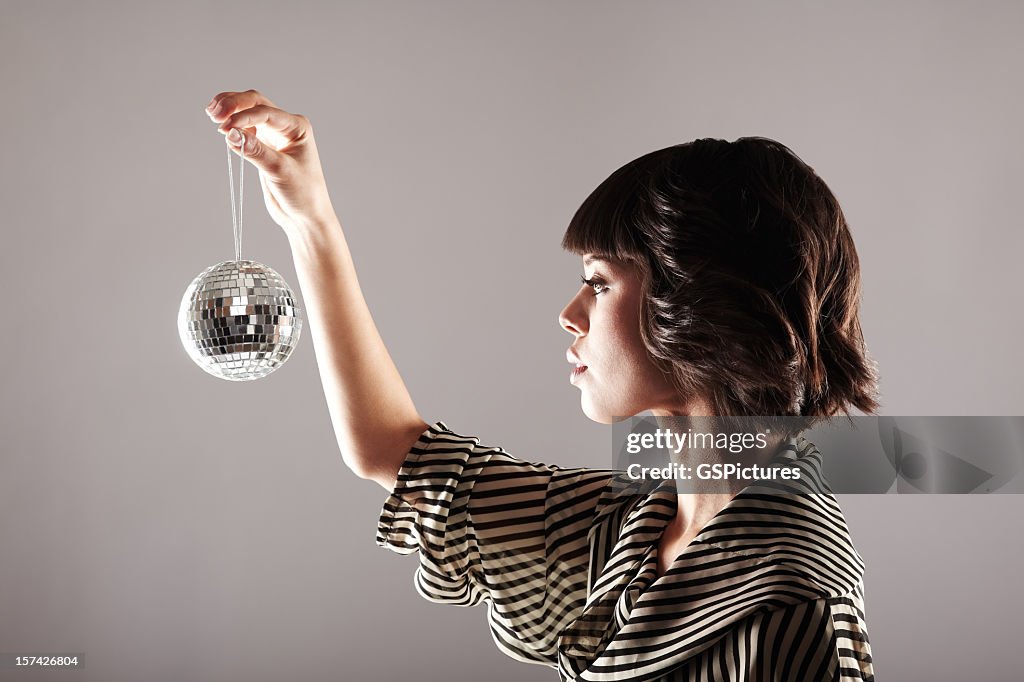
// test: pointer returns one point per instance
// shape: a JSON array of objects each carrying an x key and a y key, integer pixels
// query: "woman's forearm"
[{"x": 375, "y": 420}]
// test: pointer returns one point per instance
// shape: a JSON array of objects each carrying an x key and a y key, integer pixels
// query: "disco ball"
[{"x": 239, "y": 321}]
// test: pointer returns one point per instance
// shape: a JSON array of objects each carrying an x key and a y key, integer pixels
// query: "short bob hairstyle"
[{"x": 751, "y": 278}]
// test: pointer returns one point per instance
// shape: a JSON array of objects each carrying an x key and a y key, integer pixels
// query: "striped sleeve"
[{"x": 492, "y": 528}]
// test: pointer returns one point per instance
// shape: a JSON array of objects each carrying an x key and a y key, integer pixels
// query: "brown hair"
[{"x": 752, "y": 281}]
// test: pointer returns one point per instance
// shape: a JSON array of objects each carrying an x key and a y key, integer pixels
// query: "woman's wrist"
[{"x": 308, "y": 235}]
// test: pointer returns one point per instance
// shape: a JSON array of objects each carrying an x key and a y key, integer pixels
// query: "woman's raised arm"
[{"x": 375, "y": 421}]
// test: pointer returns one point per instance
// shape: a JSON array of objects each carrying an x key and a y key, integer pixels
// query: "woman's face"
[{"x": 620, "y": 379}]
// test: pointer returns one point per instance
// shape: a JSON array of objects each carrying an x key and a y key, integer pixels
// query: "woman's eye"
[{"x": 597, "y": 285}]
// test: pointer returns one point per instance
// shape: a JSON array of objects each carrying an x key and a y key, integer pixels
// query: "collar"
[{"x": 776, "y": 543}]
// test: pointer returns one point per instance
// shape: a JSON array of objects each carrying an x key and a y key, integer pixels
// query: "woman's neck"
[{"x": 694, "y": 510}]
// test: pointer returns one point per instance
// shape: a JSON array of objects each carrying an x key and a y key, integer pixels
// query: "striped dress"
[{"x": 566, "y": 561}]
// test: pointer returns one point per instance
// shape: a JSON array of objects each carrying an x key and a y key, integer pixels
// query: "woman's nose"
[{"x": 571, "y": 320}]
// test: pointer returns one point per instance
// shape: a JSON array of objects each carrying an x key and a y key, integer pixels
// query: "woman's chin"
[
  {"x": 608, "y": 414},
  {"x": 594, "y": 413}
]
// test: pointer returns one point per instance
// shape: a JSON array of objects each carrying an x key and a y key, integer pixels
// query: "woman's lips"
[{"x": 576, "y": 373}]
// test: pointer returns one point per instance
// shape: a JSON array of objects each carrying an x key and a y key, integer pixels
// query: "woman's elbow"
[{"x": 381, "y": 460}]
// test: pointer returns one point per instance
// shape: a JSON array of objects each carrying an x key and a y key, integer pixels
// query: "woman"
[{"x": 719, "y": 279}]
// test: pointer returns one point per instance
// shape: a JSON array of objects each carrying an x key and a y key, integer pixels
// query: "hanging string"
[{"x": 236, "y": 219}]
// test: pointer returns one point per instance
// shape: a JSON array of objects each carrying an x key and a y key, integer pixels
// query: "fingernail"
[
  {"x": 234, "y": 137},
  {"x": 209, "y": 107}
]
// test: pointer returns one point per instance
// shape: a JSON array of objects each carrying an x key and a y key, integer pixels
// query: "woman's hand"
[{"x": 281, "y": 146}]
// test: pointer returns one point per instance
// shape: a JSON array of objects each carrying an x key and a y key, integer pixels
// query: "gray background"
[{"x": 172, "y": 526}]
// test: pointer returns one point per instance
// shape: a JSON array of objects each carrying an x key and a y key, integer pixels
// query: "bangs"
[{"x": 605, "y": 224}]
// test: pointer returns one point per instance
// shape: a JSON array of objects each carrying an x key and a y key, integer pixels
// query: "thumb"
[{"x": 261, "y": 155}]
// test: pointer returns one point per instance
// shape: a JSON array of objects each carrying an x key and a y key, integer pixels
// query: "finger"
[
  {"x": 285, "y": 127},
  {"x": 224, "y": 104},
  {"x": 261, "y": 155}
]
